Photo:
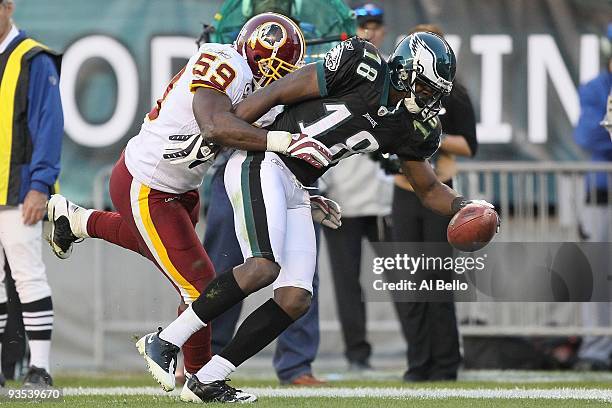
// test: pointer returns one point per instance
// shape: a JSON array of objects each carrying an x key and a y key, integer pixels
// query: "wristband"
[{"x": 278, "y": 141}]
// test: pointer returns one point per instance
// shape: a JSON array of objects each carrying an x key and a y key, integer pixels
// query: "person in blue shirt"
[
  {"x": 31, "y": 131},
  {"x": 592, "y": 136},
  {"x": 595, "y": 351}
]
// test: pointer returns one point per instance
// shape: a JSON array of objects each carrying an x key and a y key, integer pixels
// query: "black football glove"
[{"x": 390, "y": 163}]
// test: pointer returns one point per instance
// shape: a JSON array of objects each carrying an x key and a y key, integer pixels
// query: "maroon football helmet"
[{"x": 273, "y": 46}]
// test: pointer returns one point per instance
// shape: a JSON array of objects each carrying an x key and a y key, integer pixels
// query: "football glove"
[
  {"x": 192, "y": 149},
  {"x": 325, "y": 211},
  {"x": 300, "y": 146},
  {"x": 390, "y": 163}
]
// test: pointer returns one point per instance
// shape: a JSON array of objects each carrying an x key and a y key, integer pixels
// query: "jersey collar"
[
  {"x": 13, "y": 33},
  {"x": 384, "y": 108}
]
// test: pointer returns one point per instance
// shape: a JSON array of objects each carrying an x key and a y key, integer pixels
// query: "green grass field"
[
  {"x": 139, "y": 401},
  {"x": 546, "y": 391}
]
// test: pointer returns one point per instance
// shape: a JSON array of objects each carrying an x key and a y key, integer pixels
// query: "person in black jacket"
[{"x": 430, "y": 328}]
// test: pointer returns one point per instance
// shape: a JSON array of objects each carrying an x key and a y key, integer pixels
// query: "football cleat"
[
  {"x": 160, "y": 356},
  {"x": 216, "y": 391},
  {"x": 62, "y": 215},
  {"x": 37, "y": 378}
]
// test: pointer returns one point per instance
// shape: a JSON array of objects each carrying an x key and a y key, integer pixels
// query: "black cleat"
[
  {"x": 60, "y": 212},
  {"x": 216, "y": 391},
  {"x": 37, "y": 378},
  {"x": 160, "y": 356}
]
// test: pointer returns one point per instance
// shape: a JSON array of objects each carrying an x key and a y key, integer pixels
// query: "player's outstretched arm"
[
  {"x": 213, "y": 112},
  {"x": 434, "y": 194},
  {"x": 298, "y": 86}
]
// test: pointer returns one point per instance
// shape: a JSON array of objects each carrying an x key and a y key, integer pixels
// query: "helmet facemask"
[
  {"x": 427, "y": 106},
  {"x": 273, "y": 68}
]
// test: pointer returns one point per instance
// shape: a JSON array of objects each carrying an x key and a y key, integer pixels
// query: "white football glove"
[
  {"x": 192, "y": 149},
  {"x": 325, "y": 211},
  {"x": 300, "y": 146},
  {"x": 482, "y": 202}
]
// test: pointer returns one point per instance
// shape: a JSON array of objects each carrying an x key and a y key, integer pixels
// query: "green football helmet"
[{"x": 423, "y": 58}]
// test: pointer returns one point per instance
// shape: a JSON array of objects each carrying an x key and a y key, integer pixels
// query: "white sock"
[
  {"x": 39, "y": 353},
  {"x": 216, "y": 369},
  {"x": 78, "y": 222},
  {"x": 181, "y": 329}
]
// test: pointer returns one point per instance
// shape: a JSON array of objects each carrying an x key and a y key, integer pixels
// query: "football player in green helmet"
[
  {"x": 424, "y": 65},
  {"x": 351, "y": 103}
]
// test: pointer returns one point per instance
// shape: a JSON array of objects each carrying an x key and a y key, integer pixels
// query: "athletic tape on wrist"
[{"x": 278, "y": 141}]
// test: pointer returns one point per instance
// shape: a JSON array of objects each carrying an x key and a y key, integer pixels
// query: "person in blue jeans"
[{"x": 297, "y": 346}]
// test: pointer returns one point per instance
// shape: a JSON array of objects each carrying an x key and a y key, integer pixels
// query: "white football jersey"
[{"x": 216, "y": 66}]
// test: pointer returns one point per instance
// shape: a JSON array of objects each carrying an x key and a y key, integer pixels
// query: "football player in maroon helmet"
[
  {"x": 154, "y": 185},
  {"x": 273, "y": 45}
]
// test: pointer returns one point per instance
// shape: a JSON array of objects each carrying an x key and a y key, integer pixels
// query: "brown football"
[{"x": 473, "y": 227}]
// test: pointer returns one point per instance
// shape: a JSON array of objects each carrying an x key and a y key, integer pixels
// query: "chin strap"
[
  {"x": 412, "y": 105},
  {"x": 384, "y": 111}
]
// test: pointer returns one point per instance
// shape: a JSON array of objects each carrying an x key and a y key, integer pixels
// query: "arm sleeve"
[
  {"x": 460, "y": 118},
  {"x": 45, "y": 122},
  {"x": 589, "y": 134},
  {"x": 336, "y": 73}
]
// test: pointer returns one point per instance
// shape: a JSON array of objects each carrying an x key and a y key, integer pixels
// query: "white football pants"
[
  {"x": 272, "y": 216},
  {"x": 22, "y": 245}
]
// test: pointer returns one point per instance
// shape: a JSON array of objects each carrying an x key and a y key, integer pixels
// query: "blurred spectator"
[
  {"x": 364, "y": 193},
  {"x": 33, "y": 127},
  {"x": 371, "y": 24},
  {"x": 430, "y": 329},
  {"x": 591, "y": 135}
]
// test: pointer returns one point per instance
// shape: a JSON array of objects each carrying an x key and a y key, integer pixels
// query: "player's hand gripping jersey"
[
  {"x": 352, "y": 115},
  {"x": 216, "y": 66}
]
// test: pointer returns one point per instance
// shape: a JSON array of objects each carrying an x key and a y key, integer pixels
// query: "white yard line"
[
  {"x": 504, "y": 376},
  {"x": 371, "y": 392}
]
